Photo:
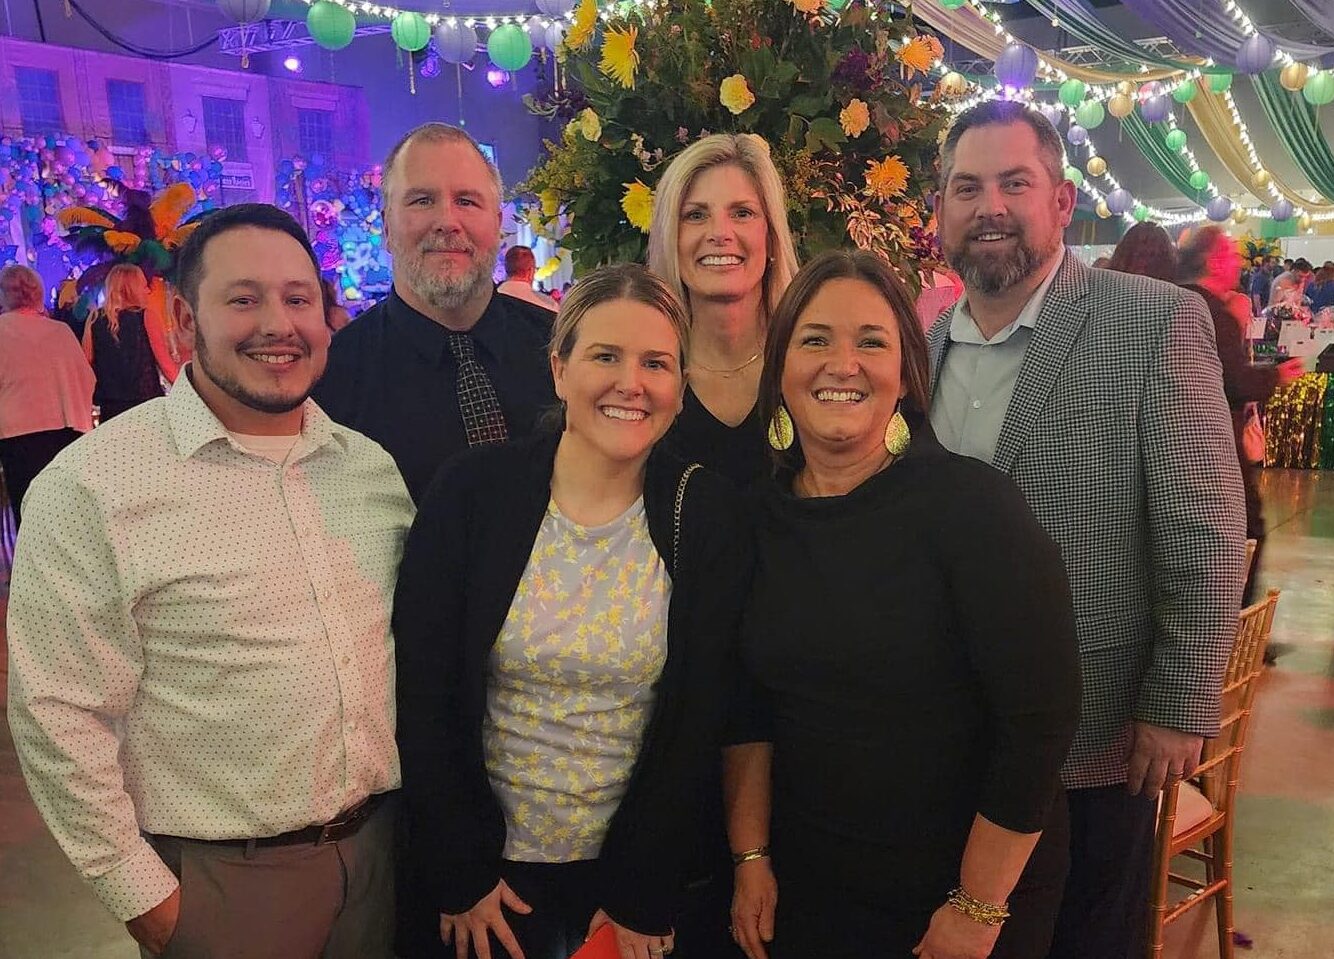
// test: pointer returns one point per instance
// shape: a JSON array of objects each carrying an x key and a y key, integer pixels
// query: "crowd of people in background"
[{"x": 723, "y": 612}]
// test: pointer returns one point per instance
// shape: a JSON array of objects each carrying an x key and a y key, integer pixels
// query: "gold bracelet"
[
  {"x": 988, "y": 914},
  {"x": 750, "y": 855}
]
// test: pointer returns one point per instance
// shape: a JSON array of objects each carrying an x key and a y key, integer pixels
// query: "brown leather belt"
[{"x": 343, "y": 826}]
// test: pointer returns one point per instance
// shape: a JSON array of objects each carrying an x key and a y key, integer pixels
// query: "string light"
[
  {"x": 1244, "y": 135},
  {"x": 1248, "y": 27}
]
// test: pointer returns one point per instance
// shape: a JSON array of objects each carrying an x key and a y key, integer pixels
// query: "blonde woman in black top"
[{"x": 118, "y": 343}]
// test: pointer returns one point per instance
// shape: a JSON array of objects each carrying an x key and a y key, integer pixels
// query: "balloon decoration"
[
  {"x": 1077, "y": 135},
  {"x": 410, "y": 31},
  {"x": 1281, "y": 210},
  {"x": 1319, "y": 88},
  {"x": 1120, "y": 201},
  {"x": 330, "y": 25},
  {"x": 1260, "y": 179},
  {"x": 509, "y": 47},
  {"x": 1074, "y": 176},
  {"x": 555, "y": 8},
  {"x": 1293, "y": 77},
  {"x": 1121, "y": 106},
  {"x": 1096, "y": 166},
  {"x": 456, "y": 42},
  {"x": 1155, "y": 109},
  {"x": 1218, "y": 209},
  {"x": 1073, "y": 92},
  {"x": 1220, "y": 82},
  {"x": 1102, "y": 210},
  {"x": 1175, "y": 140},
  {"x": 1017, "y": 65},
  {"x": 1256, "y": 54},
  {"x": 1185, "y": 92},
  {"x": 953, "y": 84},
  {"x": 1090, "y": 114}
]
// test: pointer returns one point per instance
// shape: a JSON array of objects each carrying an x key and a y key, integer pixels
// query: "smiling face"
[
  {"x": 257, "y": 331},
  {"x": 1001, "y": 215},
  {"x": 442, "y": 224},
  {"x": 622, "y": 383},
  {"x": 723, "y": 238},
  {"x": 842, "y": 375}
]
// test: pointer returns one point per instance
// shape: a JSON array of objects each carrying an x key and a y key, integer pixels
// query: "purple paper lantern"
[
  {"x": 1077, "y": 135},
  {"x": 1219, "y": 209},
  {"x": 1155, "y": 109},
  {"x": 1256, "y": 54},
  {"x": 1120, "y": 201},
  {"x": 1281, "y": 210},
  {"x": 1017, "y": 65},
  {"x": 456, "y": 42},
  {"x": 1052, "y": 112}
]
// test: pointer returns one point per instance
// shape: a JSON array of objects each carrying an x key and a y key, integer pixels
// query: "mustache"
[
  {"x": 996, "y": 226},
  {"x": 431, "y": 246}
]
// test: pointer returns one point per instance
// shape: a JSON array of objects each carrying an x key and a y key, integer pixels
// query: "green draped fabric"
[
  {"x": 1295, "y": 124},
  {"x": 1151, "y": 141},
  {"x": 1077, "y": 19}
]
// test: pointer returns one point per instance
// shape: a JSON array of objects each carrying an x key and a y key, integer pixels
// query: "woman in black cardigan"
[
  {"x": 911, "y": 648},
  {"x": 565, "y": 608}
]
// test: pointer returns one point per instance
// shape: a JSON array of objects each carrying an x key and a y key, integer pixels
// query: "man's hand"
[
  {"x": 1158, "y": 754},
  {"x": 154, "y": 929}
]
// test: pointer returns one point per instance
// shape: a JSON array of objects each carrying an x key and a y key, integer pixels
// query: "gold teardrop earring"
[
  {"x": 781, "y": 433},
  {"x": 897, "y": 435}
]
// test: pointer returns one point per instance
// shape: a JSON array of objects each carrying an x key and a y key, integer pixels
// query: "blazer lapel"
[
  {"x": 937, "y": 341},
  {"x": 1063, "y": 315}
]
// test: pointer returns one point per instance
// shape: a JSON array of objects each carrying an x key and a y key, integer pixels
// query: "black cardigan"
[{"x": 463, "y": 561}]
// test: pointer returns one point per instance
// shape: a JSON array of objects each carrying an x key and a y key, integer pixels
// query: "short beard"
[
  {"x": 991, "y": 274},
  {"x": 447, "y": 293},
  {"x": 236, "y": 391}
]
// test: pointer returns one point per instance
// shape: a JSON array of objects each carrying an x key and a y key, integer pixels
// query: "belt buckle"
[
  {"x": 331, "y": 831},
  {"x": 327, "y": 833}
]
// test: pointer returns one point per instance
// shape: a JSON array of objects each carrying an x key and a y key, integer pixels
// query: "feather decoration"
[
  {"x": 76, "y": 216},
  {"x": 171, "y": 204}
]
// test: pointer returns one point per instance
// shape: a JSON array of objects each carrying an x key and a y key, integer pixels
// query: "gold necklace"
[{"x": 734, "y": 370}]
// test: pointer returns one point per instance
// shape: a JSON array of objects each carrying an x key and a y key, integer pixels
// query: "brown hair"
[
  {"x": 810, "y": 279},
  {"x": 1004, "y": 113},
  {"x": 622, "y": 281},
  {"x": 1148, "y": 250}
]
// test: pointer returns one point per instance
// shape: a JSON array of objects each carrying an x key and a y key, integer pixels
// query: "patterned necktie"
[{"x": 483, "y": 419}]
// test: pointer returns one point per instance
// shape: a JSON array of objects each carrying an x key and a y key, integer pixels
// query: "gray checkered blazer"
[{"x": 1120, "y": 438}]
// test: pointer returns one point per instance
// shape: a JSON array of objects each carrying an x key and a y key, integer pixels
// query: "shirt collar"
[
  {"x": 963, "y": 328},
  {"x": 193, "y": 425},
  {"x": 431, "y": 340}
]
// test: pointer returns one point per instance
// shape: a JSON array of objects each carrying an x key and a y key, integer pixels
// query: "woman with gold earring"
[{"x": 910, "y": 681}]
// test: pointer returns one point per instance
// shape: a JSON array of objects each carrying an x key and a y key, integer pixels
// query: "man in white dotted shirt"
[{"x": 201, "y": 687}]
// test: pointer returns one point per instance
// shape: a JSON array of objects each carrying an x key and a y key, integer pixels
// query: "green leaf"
[
  {"x": 826, "y": 131},
  {"x": 809, "y": 104}
]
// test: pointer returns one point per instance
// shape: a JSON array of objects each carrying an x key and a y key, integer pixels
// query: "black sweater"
[{"x": 463, "y": 561}]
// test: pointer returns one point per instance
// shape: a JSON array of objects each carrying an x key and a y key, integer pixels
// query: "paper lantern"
[
  {"x": 1293, "y": 76},
  {"x": 1073, "y": 92},
  {"x": 1121, "y": 106},
  {"x": 509, "y": 47},
  {"x": 1199, "y": 180},
  {"x": 1155, "y": 109},
  {"x": 1074, "y": 176},
  {"x": 953, "y": 84},
  {"x": 952, "y": 4},
  {"x": 1220, "y": 82},
  {"x": 1150, "y": 90},
  {"x": 1017, "y": 65},
  {"x": 1260, "y": 179},
  {"x": 1052, "y": 112},
  {"x": 1256, "y": 54},
  {"x": 1218, "y": 209},
  {"x": 1319, "y": 89},
  {"x": 1185, "y": 92},
  {"x": 1096, "y": 166},
  {"x": 1102, "y": 210},
  {"x": 457, "y": 43},
  {"x": 1090, "y": 114},
  {"x": 1175, "y": 140},
  {"x": 244, "y": 11},
  {"x": 555, "y": 34},
  {"x": 1120, "y": 201},
  {"x": 1281, "y": 210},
  {"x": 1304, "y": 221},
  {"x": 555, "y": 8},
  {"x": 537, "y": 32},
  {"x": 1240, "y": 216},
  {"x": 1141, "y": 213},
  {"x": 331, "y": 26},
  {"x": 1077, "y": 135},
  {"x": 1125, "y": 88},
  {"x": 410, "y": 31}
]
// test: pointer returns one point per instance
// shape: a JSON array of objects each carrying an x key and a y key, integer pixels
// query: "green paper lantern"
[
  {"x": 1141, "y": 213},
  {"x": 1319, "y": 88},
  {"x": 410, "y": 31},
  {"x": 1073, "y": 92},
  {"x": 1074, "y": 176},
  {"x": 1176, "y": 140},
  {"x": 1090, "y": 114},
  {"x": 1220, "y": 82},
  {"x": 1186, "y": 92},
  {"x": 952, "y": 4},
  {"x": 1199, "y": 180},
  {"x": 509, "y": 47},
  {"x": 330, "y": 25}
]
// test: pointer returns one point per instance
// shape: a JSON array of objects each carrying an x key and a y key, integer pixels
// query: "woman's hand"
[
  {"x": 754, "y": 902},
  {"x": 633, "y": 945},
  {"x": 952, "y": 935},
  {"x": 472, "y": 926}
]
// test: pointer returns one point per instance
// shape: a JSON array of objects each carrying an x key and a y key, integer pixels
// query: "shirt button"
[{"x": 977, "y": 404}]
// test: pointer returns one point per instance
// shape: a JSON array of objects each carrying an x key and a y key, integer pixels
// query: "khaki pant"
[{"x": 334, "y": 901}]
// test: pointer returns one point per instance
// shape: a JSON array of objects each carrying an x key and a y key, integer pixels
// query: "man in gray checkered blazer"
[{"x": 1101, "y": 395}]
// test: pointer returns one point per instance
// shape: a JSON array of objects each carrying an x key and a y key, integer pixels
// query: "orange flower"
[
  {"x": 919, "y": 53},
  {"x": 886, "y": 178},
  {"x": 855, "y": 118},
  {"x": 808, "y": 6}
]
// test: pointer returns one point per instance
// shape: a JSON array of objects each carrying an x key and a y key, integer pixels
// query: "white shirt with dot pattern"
[{"x": 199, "y": 637}]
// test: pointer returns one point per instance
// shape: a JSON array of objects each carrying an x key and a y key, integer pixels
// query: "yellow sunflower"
[
  {"x": 919, "y": 53},
  {"x": 638, "y": 205},
  {"x": 855, "y": 118},
  {"x": 886, "y": 178},
  {"x": 620, "y": 60},
  {"x": 734, "y": 93},
  {"x": 585, "y": 23}
]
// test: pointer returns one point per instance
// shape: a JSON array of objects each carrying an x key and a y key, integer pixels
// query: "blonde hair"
[
  {"x": 623, "y": 281},
  {"x": 751, "y": 154},
  {"x": 126, "y": 289}
]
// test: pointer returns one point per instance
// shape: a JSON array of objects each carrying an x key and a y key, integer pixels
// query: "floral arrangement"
[
  {"x": 833, "y": 87},
  {"x": 1254, "y": 249}
]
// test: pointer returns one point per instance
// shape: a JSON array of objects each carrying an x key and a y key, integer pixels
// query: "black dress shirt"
[{"x": 392, "y": 376}]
